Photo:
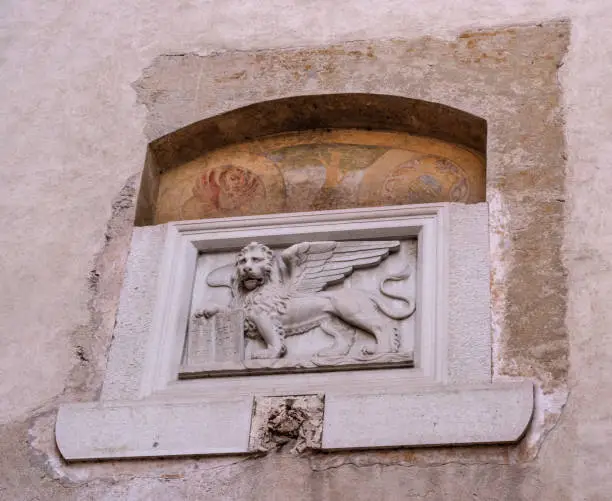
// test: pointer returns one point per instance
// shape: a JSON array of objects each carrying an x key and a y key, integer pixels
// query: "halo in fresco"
[
  {"x": 408, "y": 177},
  {"x": 218, "y": 186}
]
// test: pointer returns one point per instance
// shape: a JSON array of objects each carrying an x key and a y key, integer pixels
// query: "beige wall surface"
[{"x": 78, "y": 109}]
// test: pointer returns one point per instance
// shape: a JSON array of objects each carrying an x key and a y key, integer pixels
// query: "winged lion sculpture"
[{"x": 283, "y": 294}]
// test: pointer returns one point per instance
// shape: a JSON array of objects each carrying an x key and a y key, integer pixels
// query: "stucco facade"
[{"x": 86, "y": 86}]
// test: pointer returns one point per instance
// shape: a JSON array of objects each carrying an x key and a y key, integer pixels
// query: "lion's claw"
[
  {"x": 271, "y": 352},
  {"x": 206, "y": 313}
]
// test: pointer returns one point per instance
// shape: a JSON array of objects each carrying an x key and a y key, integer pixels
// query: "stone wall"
[{"x": 87, "y": 86}]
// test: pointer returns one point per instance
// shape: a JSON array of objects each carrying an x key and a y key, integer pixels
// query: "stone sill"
[{"x": 451, "y": 415}]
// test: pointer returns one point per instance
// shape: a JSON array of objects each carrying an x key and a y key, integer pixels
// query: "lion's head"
[{"x": 254, "y": 266}]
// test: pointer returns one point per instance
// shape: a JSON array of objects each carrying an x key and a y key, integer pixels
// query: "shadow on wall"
[{"x": 306, "y": 153}]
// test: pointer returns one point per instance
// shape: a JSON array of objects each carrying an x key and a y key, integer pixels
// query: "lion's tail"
[{"x": 389, "y": 310}]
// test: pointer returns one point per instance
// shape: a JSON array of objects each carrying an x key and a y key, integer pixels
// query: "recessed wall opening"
[{"x": 309, "y": 153}]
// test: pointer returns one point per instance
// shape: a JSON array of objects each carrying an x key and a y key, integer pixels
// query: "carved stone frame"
[
  {"x": 146, "y": 411},
  {"x": 185, "y": 239}
]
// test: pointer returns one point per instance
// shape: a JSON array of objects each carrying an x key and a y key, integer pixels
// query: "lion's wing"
[{"x": 312, "y": 266}]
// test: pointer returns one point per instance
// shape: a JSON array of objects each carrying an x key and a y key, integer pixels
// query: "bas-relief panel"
[
  {"x": 319, "y": 170},
  {"x": 368, "y": 283}
]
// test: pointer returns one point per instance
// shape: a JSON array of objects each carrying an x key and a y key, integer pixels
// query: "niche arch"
[{"x": 316, "y": 152}]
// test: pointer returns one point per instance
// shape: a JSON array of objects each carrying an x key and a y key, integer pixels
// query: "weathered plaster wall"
[{"x": 73, "y": 140}]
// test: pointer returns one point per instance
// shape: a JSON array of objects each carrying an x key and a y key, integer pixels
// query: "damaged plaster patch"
[
  {"x": 295, "y": 420},
  {"x": 548, "y": 411},
  {"x": 499, "y": 245},
  {"x": 91, "y": 340},
  {"x": 415, "y": 457},
  {"x": 550, "y": 394}
]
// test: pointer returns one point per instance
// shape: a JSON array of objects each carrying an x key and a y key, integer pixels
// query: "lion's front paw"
[
  {"x": 340, "y": 348},
  {"x": 206, "y": 312},
  {"x": 369, "y": 350},
  {"x": 271, "y": 352}
]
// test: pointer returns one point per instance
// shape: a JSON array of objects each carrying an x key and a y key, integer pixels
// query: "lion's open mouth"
[{"x": 251, "y": 283}]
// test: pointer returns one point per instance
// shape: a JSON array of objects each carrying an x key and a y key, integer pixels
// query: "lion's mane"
[
  {"x": 240, "y": 290},
  {"x": 272, "y": 302}
]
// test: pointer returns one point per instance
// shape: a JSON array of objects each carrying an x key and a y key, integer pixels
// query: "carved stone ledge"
[
  {"x": 452, "y": 415},
  {"x": 129, "y": 429},
  {"x": 282, "y": 365}
]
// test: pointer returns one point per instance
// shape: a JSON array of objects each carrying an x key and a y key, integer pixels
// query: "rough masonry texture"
[
  {"x": 73, "y": 137},
  {"x": 279, "y": 421}
]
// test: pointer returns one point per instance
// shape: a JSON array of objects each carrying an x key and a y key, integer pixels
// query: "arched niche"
[{"x": 305, "y": 153}]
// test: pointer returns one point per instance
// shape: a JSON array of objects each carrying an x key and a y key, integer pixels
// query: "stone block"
[
  {"x": 146, "y": 429},
  {"x": 494, "y": 413}
]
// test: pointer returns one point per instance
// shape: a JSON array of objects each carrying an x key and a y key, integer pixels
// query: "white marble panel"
[
  {"x": 494, "y": 413},
  {"x": 145, "y": 429}
]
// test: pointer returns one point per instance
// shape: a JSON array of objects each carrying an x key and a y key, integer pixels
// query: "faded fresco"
[{"x": 320, "y": 170}]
